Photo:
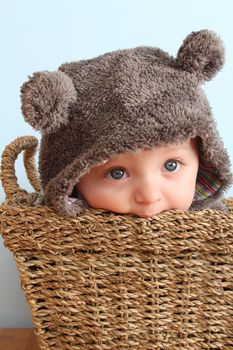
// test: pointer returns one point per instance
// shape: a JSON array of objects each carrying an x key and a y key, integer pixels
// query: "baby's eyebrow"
[{"x": 126, "y": 156}]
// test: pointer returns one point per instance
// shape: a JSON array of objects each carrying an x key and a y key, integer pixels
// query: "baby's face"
[{"x": 146, "y": 183}]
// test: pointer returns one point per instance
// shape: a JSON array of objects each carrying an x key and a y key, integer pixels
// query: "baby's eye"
[
  {"x": 172, "y": 165},
  {"x": 116, "y": 174}
]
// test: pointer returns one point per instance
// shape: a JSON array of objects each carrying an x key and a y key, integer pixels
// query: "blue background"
[{"x": 40, "y": 35}]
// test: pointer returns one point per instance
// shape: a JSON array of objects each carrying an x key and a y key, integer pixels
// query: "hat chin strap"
[{"x": 56, "y": 195}]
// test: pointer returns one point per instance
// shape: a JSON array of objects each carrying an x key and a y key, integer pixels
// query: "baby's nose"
[{"x": 148, "y": 193}]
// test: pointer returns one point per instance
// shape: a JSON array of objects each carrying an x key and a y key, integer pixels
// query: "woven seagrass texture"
[{"x": 106, "y": 281}]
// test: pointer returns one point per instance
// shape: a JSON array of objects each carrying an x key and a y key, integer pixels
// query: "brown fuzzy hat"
[{"x": 91, "y": 110}]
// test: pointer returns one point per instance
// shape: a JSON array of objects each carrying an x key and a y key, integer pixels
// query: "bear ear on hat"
[
  {"x": 46, "y": 98},
  {"x": 202, "y": 53}
]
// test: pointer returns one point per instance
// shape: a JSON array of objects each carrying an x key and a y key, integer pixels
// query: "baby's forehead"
[{"x": 185, "y": 146}]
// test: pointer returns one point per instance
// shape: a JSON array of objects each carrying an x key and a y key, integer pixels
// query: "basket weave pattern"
[{"x": 111, "y": 282}]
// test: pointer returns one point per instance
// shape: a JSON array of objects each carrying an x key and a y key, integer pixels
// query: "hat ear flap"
[
  {"x": 46, "y": 98},
  {"x": 202, "y": 53}
]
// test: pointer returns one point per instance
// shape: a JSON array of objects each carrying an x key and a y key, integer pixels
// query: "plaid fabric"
[{"x": 207, "y": 182}]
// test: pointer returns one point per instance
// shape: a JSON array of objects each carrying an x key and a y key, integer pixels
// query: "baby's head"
[
  {"x": 130, "y": 131},
  {"x": 145, "y": 182}
]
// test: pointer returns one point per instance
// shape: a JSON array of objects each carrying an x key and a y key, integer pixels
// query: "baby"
[
  {"x": 145, "y": 183},
  {"x": 131, "y": 131}
]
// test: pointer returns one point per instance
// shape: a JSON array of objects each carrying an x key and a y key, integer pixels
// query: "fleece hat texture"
[{"x": 91, "y": 110}]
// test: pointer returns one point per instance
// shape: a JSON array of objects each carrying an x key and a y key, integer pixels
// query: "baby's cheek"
[
  {"x": 188, "y": 196},
  {"x": 184, "y": 196},
  {"x": 97, "y": 196}
]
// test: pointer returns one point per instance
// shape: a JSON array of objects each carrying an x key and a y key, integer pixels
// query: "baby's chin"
[
  {"x": 147, "y": 214},
  {"x": 144, "y": 213}
]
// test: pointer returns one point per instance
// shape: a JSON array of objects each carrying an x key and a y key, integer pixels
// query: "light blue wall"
[{"x": 40, "y": 35}]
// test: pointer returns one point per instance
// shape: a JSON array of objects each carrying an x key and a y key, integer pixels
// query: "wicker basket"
[{"x": 103, "y": 281}]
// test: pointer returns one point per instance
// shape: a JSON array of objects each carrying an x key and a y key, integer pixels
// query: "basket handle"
[{"x": 28, "y": 144}]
